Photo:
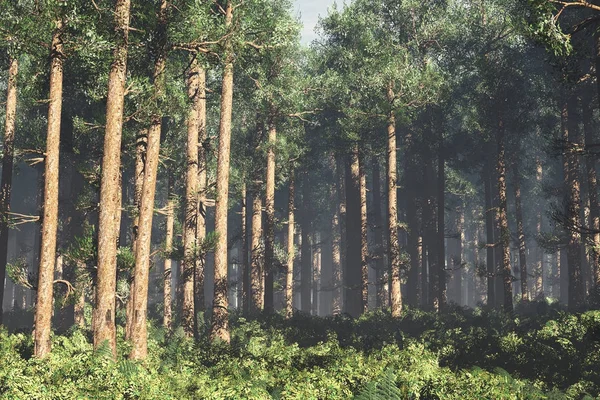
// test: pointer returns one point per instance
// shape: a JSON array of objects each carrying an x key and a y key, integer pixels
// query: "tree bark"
[
  {"x": 245, "y": 263},
  {"x": 110, "y": 199},
  {"x": 458, "y": 258},
  {"x": 539, "y": 273},
  {"x": 341, "y": 208},
  {"x": 257, "y": 250},
  {"x": 305, "y": 248},
  {"x": 7, "y": 170},
  {"x": 316, "y": 270},
  {"x": 490, "y": 239},
  {"x": 167, "y": 266},
  {"x": 411, "y": 221},
  {"x": 364, "y": 244},
  {"x": 289, "y": 276},
  {"x": 353, "y": 276},
  {"x": 441, "y": 195},
  {"x": 392, "y": 184},
  {"x": 378, "y": 235},
  {"x": 521, "y": 235},
  {"x": 43, "y": 310},
  {"x": 270, "y": 213}
]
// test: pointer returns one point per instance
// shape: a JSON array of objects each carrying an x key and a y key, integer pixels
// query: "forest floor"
[{"x": 540, "y": 352}]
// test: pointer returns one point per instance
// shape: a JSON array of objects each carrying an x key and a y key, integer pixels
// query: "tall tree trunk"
[
  {"x": 594, "y": 217},
  {"x": 458, "y": 258},
  {"x": 139, "y": 333},
  {"x": 167, "y": 266},
  {"x": 521, "y": 235},
  {"x": 191, "y": 197},
  {"x": 289, "y": 276},
  {"x": 539, "y": 273},
  {"x": 110, "y": 199},
  {"x": 392, "y": 226},
  {"x": 7, "y": 169},
  {"x": 270, "y": 213},
  {"x": 364, "y": 244},
  {"x": 245, "y": 263},
  {"x": 502, "y": 216},
  {"x": 341, "y": 207},
  {"x": 43, "y": 310},
  {"x": 378, "y": 235},
  {"x": 428, "y": 234},
  {"x": 353, "y": 276},
  {"x": 490, "y": 239},
  {"x": 336, "y": 266},
  {"x": 571, "y": 141},
  {"x": 316, "y": 270},
  {"x": 256, "y": 250},
  {"x": 441, "y": 194},
  {"x": 305, "y": 248}
]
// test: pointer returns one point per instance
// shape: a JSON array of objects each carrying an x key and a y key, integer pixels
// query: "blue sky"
[{"x": 310, "y": 11}]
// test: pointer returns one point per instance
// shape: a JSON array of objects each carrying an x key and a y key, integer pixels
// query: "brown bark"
[
  {"x": 43, "y": 310},
  {"x": 289, "y": 277},
  {"x": 521, "y": 236},
  {"x": 392, "y": 226},
  {"x": 139, "y": 334},
  {"x": 220, "y": 316},
  {"x": 364, "y": 244},
  {"x": 7, "y": 169},
  {"x": 353, "y": 275},
  {"x": 505, "y": 267},
  {"x": 167, "y": 266},
  {"x": 270, "y": 212},
  {"x": 256, "y": 268},
  {"x": 378, "y": 235},
  {"x": 191, "y": 198},
  {"x": 110, "y": 199}
]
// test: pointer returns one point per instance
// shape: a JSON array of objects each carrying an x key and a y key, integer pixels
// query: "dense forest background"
[{"x": 190, "y": 197}]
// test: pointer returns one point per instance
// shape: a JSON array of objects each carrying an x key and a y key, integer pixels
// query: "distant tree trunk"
[
  {"x": 590, "y": 166},
  {"x": 43, "y": 310},
  {"x": 458, "y": 258},
  {"x": 191, "y": 197},
  {"x": 503, "y": 220},
  {"x": 378, "y": 235},
  {"x": 110, "y": 199},
  {"x": 256, "y": 250},
  {"x": 392, "y": 184},
  {"x": 353, "y": 276},
  {"x": 429, "y": 216},
  {"x": 167, "y": 271},
  {"x": 441, "y": 195},
  {"x": 289, "y": 276},
  {"x": 305, "y": 248},
  {"x": 341, "y": 202},
  {"x": 139, "y": 333},
  {"x": 336, "y": 266},
  {"x": 539, "y": 273},
  {"x": 364, "y": 244},
  {"x": 270, "y": 213},
  {"x": 316, "y": 269},
  {"x": 245, "y": 263},
  {"x": 7, "y": 169},
  {"x": 490, "y": 239},
  {"x": 521, "y": 235}
]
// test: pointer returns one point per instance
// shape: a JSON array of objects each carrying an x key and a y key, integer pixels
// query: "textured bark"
[
  {"x": 305, "y": 248},
  {"x": 110, "y": 189},
  {"x": 364, "y": 244},
  {"x": 505, "y": 267},
  {"x": 200, "y": 265},
  {"x": 573, "y": 202},
  {"x": 392, "y": 226},
  {"x": 139, "y": 335},
  {"x": 521, "y": 235},
  {"x": 378, "y": 235},
  {"x": 270, "y": 213},
  {"x": 220, "y": 318},
  {"x": 167, "y": 265},
  {"x": 592, "y": 180},
  {"x": 353, "y": 277},
  {"x": 43, "y": 309},
  {"x": 7, "y": 169},
  {"x": 256, "y": 268},
  {"x": 289, "y": 276},
  {"x": 191, "y": 198}
]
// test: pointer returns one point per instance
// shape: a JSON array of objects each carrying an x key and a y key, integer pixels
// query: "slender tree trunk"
[
  {"x": 353, "y": 276},
  {"x": 539, "y": 273},
  {"x": 378, "y": 235},
  {"x": 570, "y": 139},
  {"x": 441, "y": 226},
  {"x": 257, "y": 250},
  {"x": 364, "y": 244},
  {"x": 110, "y": 199},
  {"x": 458, "y": 259},
  {"x": 341, "y": 202},
  {"x": 316, "y": 270},
  {"x": 289, "y": 276},
  {"x": 245, "y": 263},
  {"x": 7, "y": 170},
  {"x": 305, "y": 248},
  {"x": 594, "y": 218},
  {"x": 392, "y": 184},
  {"x": 336, "y": 266},
  {"x": 167, "y": 271},
  {"x": 490, "y": 239},
  {"x": 43, "y": 310},
  {"x": 270, "y": 213},
  {"x": 139, "y": 334},
  {"x": 503, "y": 220},
  {"x": 521, "y": 235},
  {"x": 191, "y": 197},
  {"x": 427, "y": 227}
]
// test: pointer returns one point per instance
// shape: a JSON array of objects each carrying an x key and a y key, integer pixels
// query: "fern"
[{"x": 383, "y": 389}]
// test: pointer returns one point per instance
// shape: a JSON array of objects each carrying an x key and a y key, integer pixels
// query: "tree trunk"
[
  {"x": 289, "y": 276},
  {"x": 7, "y": 170},
  {"x": 336, "y": 267},
  {"x": 539, "y": 273},
  {"x": 458, "y": 258},
  {"x": 353, "y": 276},
  {"x": 594, "y": 217},
  {"x": 257, "y": 250},
  {"x": 139, "y": 334},
  {"x": 167, "y": 271},
  {"x": 378, "y": 235},
  {"x": 316, "y": 270},
  {"x": 270, "y": 213},
  {"x": 503, "y": 220},
  {"x": 305, "y": 248},
  {"x": 191, "y": 198},
  {"x": 441, "y": 194},
  {"x": 490, "y": 239},
  {"x": 571, "y": 164},
  {"x": 364, "y": 244},
  {"x": 521, "y": 235},
  {"x": 245, "y": 264},
  {"x": 392, "y": 226},
  {"x": 341, "y": 208},
  {"x": 43, "y": 310},
  {"x": 110, "y": 199}
]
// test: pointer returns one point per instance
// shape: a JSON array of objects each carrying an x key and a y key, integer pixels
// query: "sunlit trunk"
[
  {"x": 289, "y": 276},
  {"x": 505, "y": 267}
]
